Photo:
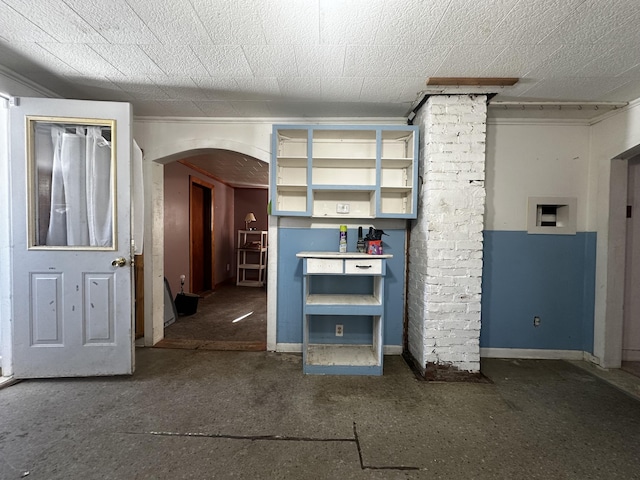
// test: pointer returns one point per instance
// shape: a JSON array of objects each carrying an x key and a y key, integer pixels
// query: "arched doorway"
[{"x": 179, "y": 149}]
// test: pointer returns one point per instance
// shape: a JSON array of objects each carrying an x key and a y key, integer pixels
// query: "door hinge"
[{"x": 629, "y": 210}]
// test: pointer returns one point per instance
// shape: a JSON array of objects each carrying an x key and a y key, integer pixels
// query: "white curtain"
[{"x": 81, "y": 186}]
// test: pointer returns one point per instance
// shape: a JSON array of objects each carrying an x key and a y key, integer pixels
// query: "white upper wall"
[
  {"x": 535, "y": 159},
  {"x": 168, "y": 139}
]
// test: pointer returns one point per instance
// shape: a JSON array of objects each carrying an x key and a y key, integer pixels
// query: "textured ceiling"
[
  {"x": 318, "y": 58},
  {"x": 233, "y": 168}
]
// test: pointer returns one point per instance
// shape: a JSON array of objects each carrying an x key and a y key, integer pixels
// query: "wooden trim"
[
  {"x": 197, "y": 181},
  {"x": 202, "y": 171},
  {"x": 192, "y": 344},
  {"x": 472, "y": 81}
]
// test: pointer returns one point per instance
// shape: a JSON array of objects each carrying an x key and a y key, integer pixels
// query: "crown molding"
[
  {"x": 276, "y": 120},
  {"x": 25, "y": 82}
]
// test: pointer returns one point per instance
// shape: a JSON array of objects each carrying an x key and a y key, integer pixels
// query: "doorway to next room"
[{"x": 203, "y": 216}]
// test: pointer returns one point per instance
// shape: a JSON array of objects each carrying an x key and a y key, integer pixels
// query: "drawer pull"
[{"x": 363, "y": 266}]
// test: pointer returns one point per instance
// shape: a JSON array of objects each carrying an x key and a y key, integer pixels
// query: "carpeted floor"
[
  {"x": 212, "y": 327},
  {"x": 632, "y": 368}
]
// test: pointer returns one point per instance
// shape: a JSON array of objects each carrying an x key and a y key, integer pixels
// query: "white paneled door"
[{"x": 70, "y": 168}]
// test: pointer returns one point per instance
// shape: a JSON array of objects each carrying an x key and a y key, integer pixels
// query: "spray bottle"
[{"x": 343, "y": 239}]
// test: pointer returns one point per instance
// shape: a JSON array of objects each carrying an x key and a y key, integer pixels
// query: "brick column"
[{"x": 445, "y": 250}]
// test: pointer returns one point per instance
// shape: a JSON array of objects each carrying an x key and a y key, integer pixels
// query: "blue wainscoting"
[
  {"x": 549, "y": 276},
  {"x": 289, "y": 315}
]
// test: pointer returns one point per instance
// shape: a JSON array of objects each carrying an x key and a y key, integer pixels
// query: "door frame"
[
  {"x": 633, "y": 168},
  {"x": 193, "y": 180},
  {"x": 6, "y": 270}
]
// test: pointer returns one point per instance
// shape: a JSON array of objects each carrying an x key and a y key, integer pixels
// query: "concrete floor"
[{"x": 254, "y": 415}]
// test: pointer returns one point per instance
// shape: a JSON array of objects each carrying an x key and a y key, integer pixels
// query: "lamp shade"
[{"x": 250, "y": 217}]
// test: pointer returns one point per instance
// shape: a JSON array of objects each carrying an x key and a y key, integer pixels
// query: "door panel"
[
  {"x": 99, "y": 321},
  {"x": 46, "y": 309},
  {"x": 72, "y": 301}
]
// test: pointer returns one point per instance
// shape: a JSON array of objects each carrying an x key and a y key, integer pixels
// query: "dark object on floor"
[{"x": 187, "y": 303}]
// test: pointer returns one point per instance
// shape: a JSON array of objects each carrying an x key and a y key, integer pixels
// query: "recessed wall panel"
[
  {"x": 46, "y": 309},
  {"x": 99, "y": 321}
]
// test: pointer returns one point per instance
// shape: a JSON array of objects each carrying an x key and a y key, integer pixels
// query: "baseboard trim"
[
  {"x": 532, "y": 353},
  {"x": 631, "y": 355},
  {"x": 392, "y": 350},
  {"x": 289, "y": 347},
  {"x": 297, "y": 348}
]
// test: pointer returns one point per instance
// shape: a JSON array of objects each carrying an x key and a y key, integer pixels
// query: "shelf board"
[
  {"x": 292, "y": 161},
  {"x": 351, "y": 355},
  {"x": 342, "y": 161},
  {"x": 335, "y": 188},
  {"x": 252, "y": 266},
  {"x": 343, "y": 215},
  {"x": 343, "y": 299},
  {"x": 391, "y": 188},
  {"x": 291, "y": 187},
  {"x": 397, "y": 162}
]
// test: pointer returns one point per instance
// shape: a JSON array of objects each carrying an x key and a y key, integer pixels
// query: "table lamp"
[{"x": 250, "y": 217}]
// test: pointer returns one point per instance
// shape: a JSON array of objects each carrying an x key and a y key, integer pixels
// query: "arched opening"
[{"x": 229, "y": 184}]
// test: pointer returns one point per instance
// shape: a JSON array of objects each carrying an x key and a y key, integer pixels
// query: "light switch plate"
[{"x": 342, "y": 208}]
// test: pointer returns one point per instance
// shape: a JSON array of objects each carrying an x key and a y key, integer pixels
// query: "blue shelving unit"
[{"x": 345, "y": 171}]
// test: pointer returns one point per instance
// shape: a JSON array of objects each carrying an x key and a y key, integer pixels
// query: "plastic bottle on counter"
[{"x": 343, "y": 239}]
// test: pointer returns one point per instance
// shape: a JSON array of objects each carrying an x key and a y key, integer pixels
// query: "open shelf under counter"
[
  {"x": 335, "y": 355},
  {"x": 330, "y": 283}
]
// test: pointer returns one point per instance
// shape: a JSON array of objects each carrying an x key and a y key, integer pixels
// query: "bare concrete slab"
[{"x": 207, "y": 414}]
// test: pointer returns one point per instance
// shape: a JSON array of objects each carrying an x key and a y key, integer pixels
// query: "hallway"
[
  {"x": 230, "y": 318},
  {"x": 206, "y": 414}
]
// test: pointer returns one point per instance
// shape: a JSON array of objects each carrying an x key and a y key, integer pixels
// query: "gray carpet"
[{"x": 213, "y": 323}]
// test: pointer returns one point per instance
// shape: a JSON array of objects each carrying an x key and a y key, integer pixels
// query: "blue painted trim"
[
  {"x": 550, "y": 276},
  {"x": 378, "y": 199},
  {"x": 343, "y": 188},
  {"x": 416, "y": 186},
  {"x": 309, "y": 171},
  {"x": 413, "y": 128}
]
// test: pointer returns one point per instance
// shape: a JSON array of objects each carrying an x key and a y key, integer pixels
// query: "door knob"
[{"x": 119, "y": 262}]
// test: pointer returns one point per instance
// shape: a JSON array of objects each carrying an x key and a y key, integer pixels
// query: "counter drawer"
[
  {"x": 325, "y": 265},
  {"x": 363, "y": 266}
]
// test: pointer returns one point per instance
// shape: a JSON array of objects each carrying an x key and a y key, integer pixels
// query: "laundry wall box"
[{"x": 331, "y": 171}]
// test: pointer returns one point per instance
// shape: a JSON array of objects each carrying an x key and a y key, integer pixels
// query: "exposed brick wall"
[{"x": 445, "y": 250}]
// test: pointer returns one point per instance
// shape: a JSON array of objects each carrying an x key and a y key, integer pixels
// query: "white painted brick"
[{"x": 447, "y": 239}]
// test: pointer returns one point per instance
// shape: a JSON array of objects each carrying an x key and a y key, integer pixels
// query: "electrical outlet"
[
  {"x": 228, "y": 267},
  {"x": 339, "y": 330},
  {"x": 536, "y": 321}
]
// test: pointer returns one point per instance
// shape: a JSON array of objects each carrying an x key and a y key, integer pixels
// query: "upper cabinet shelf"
[{"x": 363, "y": 171}]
